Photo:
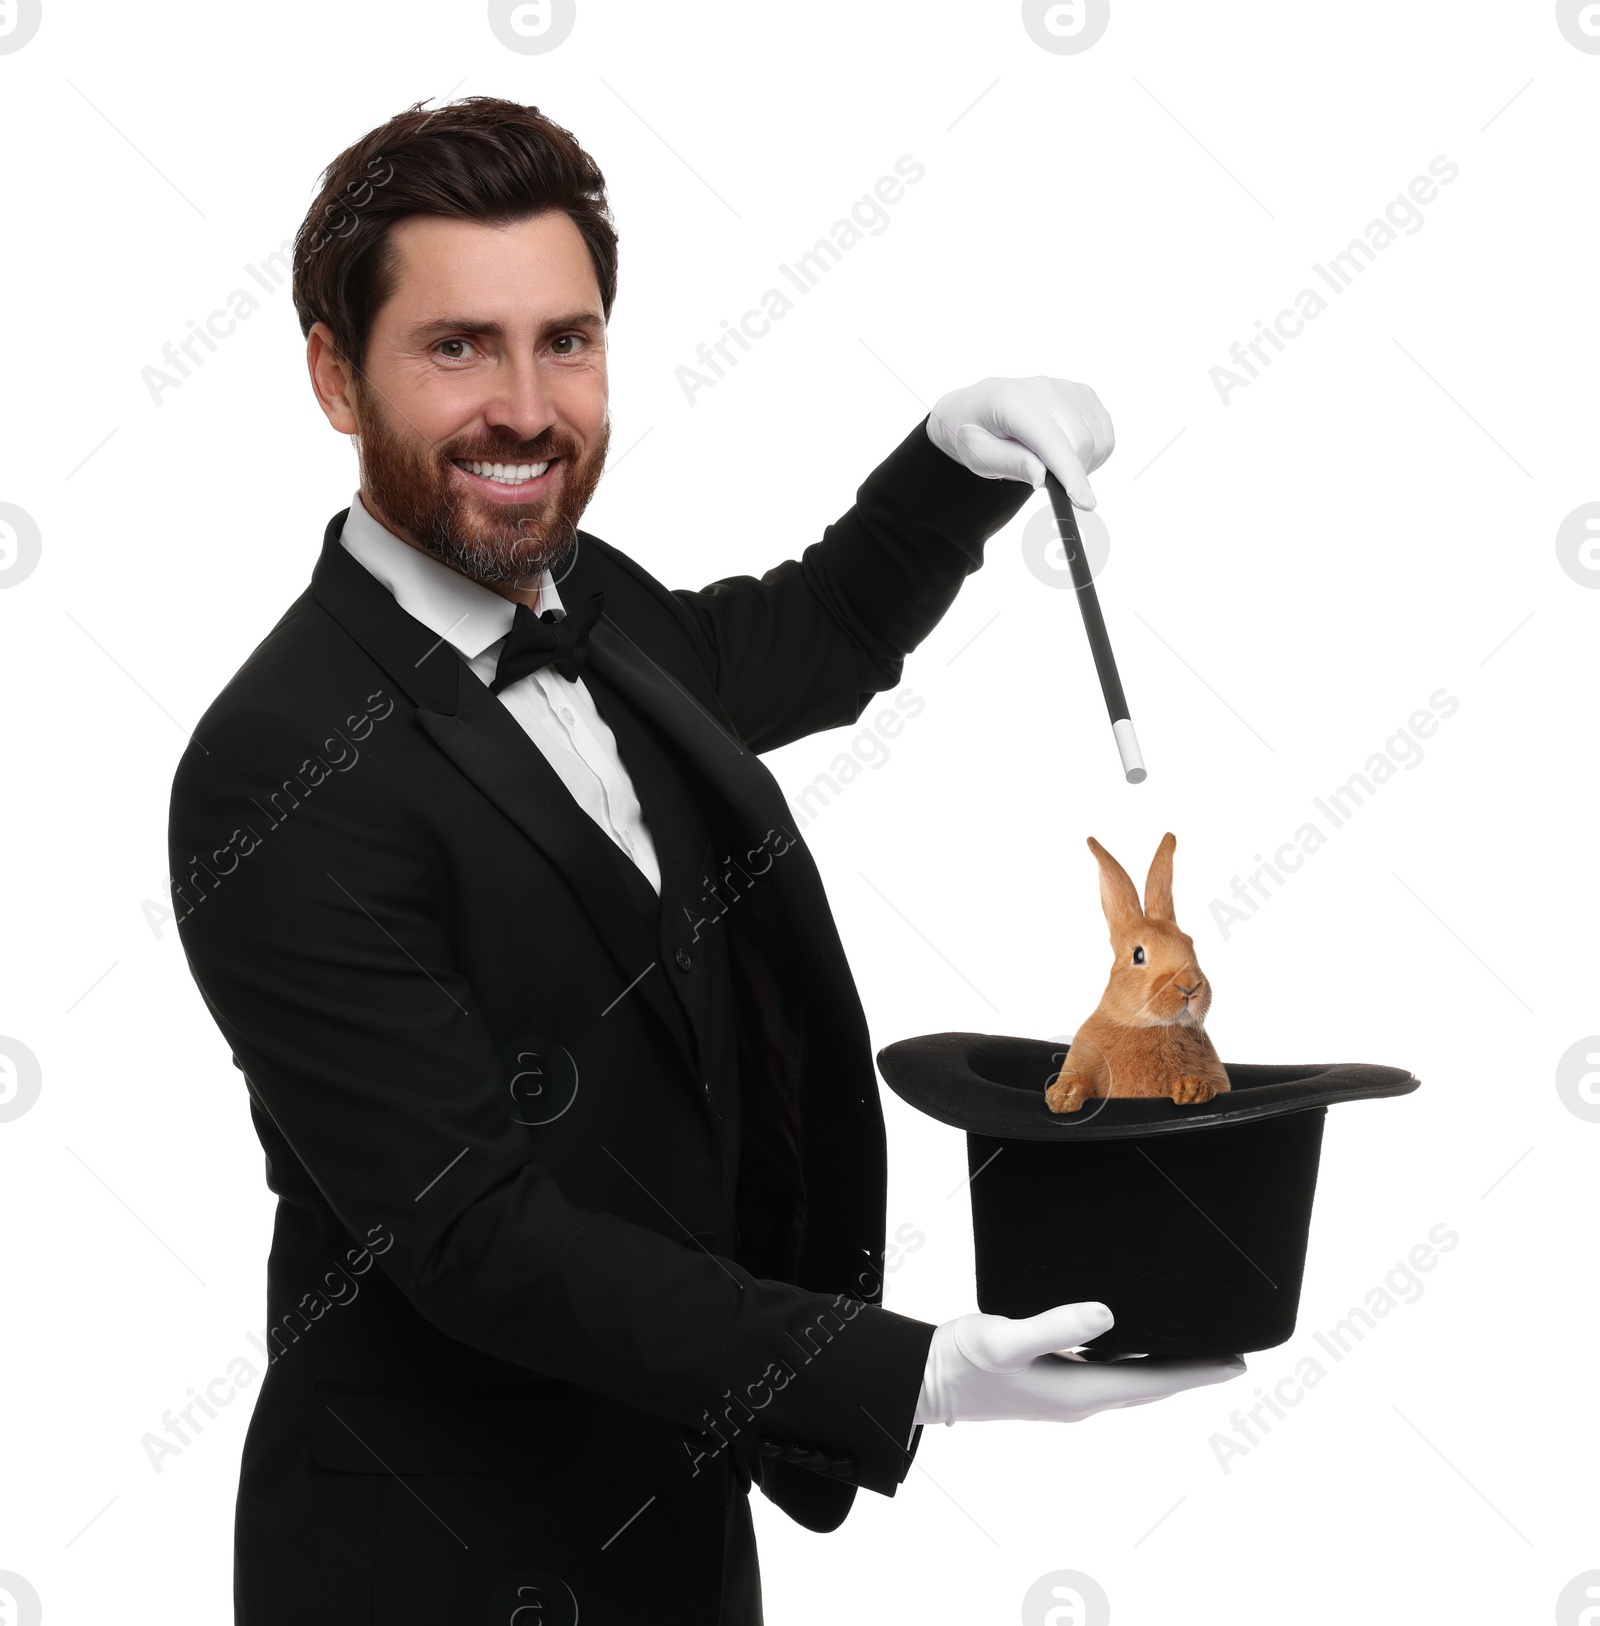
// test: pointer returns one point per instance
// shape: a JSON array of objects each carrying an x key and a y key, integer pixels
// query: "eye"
[
  {"x": 443, "y": 342},
  {"x": 1138, "y": 956},
  {"x": 568, "y": 338}
]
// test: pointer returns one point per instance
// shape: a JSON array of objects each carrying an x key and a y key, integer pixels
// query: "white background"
[{"x": 1292, "y": 575}]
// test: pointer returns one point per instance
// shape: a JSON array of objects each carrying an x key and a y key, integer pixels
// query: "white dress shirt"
[{"x": 559, "y": 716}]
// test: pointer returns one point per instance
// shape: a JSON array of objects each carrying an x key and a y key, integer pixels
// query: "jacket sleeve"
[
  {"x": 318, "y": 940},
  {"x": 807, "y": 645}
]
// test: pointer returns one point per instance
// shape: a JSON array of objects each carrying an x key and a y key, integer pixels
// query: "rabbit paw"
[
  {"x": 1188, "y": 1092},
  {"x": 1068, "y": 1093}
]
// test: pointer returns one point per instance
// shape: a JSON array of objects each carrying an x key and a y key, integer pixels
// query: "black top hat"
[{"x": 1190, "y": 1222}]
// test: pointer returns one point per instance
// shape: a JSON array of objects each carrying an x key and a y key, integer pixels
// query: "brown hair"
[{"x": 479, "y": 158}]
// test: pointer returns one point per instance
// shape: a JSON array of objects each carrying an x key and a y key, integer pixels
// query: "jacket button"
[{"x": 682, "y": 957}]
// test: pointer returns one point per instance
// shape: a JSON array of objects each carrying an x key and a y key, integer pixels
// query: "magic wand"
[{"x": 1094, "y": 624}]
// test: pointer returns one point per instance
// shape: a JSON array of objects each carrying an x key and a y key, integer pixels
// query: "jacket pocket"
[{"x": 485, "y": 1428}]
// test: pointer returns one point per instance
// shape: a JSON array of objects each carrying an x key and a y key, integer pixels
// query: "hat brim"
[{"x": 993, "y": 1085}]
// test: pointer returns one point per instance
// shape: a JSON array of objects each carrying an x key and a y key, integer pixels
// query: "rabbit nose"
[{"x": 1188, "y": 992}]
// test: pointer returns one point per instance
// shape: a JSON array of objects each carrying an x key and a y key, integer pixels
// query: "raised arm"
[{"x": 808, "y": 644}]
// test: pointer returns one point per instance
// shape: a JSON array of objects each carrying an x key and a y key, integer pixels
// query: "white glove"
[
  {"x": 1016, "y": 428},
  {"x": 988, "y": 1368}
]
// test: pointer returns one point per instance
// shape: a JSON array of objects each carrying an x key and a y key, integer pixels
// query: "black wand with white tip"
[{"x": 1105, "y": 662}]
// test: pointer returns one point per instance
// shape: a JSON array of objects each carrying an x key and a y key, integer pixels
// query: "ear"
[
  {"x": 1118, "y": 895},
  {"x": 1158, "y": 884}
]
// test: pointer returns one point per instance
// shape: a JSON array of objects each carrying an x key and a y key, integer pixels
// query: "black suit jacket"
[{"x": 506, "y": 1309}]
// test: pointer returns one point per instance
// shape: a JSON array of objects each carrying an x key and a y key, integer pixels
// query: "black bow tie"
[{"x": 541, "y": 640}]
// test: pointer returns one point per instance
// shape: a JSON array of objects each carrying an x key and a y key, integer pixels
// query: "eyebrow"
[{"x": 590, "y": 320}]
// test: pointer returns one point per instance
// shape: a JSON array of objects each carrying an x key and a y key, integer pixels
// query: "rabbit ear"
[
  {"x": 1119, "y": 897},
  {"x": 1158, "y": 884}
]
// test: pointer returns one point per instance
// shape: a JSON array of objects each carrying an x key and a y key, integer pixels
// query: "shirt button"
[
  {"x": 566, "y": 715},
  {"x": 682, "y": 957}
]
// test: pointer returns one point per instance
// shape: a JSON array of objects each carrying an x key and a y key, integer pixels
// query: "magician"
[{"x": 562, "y": 1079}]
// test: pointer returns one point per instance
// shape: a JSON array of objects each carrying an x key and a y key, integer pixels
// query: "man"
[{"x": 535, "y": 990}]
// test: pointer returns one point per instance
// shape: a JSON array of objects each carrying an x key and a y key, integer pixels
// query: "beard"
[{"x": 409, "y": 485}]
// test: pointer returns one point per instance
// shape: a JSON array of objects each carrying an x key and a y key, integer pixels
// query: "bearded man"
[{"x": 564, "y": 1086}]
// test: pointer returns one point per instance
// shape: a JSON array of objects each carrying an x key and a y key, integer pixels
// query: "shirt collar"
[{"x": 465, "y": 613}]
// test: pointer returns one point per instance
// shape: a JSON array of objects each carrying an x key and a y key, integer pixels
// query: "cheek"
[
  {"x": 437, "y": 406},
  {"x": 580, "y": 397}
]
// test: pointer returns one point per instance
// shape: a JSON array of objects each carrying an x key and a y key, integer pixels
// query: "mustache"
[{"x": 544, "y": 448}]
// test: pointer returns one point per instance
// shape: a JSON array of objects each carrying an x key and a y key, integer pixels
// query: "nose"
[
  {"x": 1189, "y": 992},
  {"x": 522, "y": 402}
]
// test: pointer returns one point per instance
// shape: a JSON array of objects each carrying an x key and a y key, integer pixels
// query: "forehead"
[{"x": 525, "y": 268}]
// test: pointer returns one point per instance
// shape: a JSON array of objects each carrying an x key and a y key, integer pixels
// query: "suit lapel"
[
  {"x": 486, "y": 743},
  {"x": 700, "y": 729},
  {"x": 476, "y": 732},
  {"x": 694, "y": 726},
  {"x": 731, "y": 766}
]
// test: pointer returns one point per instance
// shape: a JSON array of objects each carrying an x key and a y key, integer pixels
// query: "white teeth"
[{"x": 509, "y": 474}]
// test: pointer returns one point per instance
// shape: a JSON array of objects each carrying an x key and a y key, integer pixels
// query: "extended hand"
[
  {"x": 987, "y": 1368},
  {"x": 1017, "y": 428}
]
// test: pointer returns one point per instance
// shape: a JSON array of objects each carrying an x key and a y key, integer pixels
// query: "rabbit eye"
[{"x": 1138, "y": 956}]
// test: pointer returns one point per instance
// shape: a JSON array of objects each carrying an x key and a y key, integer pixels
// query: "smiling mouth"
[{"x": 508, "y": 475}]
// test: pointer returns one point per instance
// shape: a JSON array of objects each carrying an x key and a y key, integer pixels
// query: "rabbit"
[{"x": 1147, "y": 1036}]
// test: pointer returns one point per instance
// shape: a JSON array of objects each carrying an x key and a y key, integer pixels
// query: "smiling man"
[{"x": 535, "y": 990}]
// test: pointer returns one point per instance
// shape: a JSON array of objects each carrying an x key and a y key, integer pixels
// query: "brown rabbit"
[{"x": 1146, "y": 1036}]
